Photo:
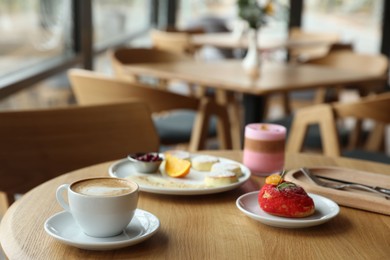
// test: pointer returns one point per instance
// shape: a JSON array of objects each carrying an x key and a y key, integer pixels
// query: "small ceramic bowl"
[{"x": 146, "y": 162}]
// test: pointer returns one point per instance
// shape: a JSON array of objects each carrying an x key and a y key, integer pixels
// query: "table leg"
[{"x": 228, "y": 100}]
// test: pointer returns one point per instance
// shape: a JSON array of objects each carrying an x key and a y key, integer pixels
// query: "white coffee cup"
[{"x": 102, "y": 207}]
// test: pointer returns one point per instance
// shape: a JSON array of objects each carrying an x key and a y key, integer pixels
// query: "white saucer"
[
  {"x": 326, "y": 209},
  {"x": 62, "y": 227}
]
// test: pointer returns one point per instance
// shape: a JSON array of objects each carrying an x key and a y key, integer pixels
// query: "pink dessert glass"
[{"x": 264, "y": 148}]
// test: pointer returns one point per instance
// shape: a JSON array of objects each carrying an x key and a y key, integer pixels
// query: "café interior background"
[{"x": 38, "y": 43}]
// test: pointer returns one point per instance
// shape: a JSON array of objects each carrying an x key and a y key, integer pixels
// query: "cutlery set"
[{"x": 342, "y": 184}]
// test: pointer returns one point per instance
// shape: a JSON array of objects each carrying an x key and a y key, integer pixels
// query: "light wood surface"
[
  {"x": 350, "y": 60},
  {"x": 127, "y": 56},
  {"x": 320, "y": 44},
  {"x": 37, "y": 145},
  {"x": 4, "y": 204},
  {"x": 206, "y": 227},
  {"x": 177, "y": 41},
  {"x": 274, "y": 77}
]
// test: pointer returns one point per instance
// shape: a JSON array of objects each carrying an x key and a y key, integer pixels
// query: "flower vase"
[{"x": 251, "y": 61}]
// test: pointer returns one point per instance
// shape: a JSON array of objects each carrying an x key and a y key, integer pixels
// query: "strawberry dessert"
[{"x": 285, "y": 199}]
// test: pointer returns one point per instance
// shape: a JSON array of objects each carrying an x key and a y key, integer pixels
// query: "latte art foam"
[
  {"x": 102, "y": 187},
  {"x": 103, "y": 191}
]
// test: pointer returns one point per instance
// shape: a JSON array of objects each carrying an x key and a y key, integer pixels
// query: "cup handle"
[{"x": 60, "y": 196}]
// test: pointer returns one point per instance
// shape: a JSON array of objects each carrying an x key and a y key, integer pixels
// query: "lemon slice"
[{"x": 176, "y": 167}]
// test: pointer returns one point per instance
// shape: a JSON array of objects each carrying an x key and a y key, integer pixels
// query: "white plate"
[
  {"x": 62, "y": 227},
  {"x": 192, "y": 184},
  {"x": 326, "y": 209}
]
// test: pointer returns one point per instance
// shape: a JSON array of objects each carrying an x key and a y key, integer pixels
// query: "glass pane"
[
  {"x": 358, "y": 22},
  {"x": 214, "y": 15},
  {"x": 33, "y": 31},
  {"x": 114, "y": 19},
  {"x": 191, "y": 11}
]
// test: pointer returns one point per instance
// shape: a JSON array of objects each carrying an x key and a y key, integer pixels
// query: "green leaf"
[
  {"x": 250, "y": 11},
  {"x": 285, "y": 185}
]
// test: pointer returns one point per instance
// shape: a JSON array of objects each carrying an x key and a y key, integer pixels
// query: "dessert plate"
[
  {"x": 160, "y": 183},
  {"x": 62, "y": 227},
  {"x": 326, "y": 209}
]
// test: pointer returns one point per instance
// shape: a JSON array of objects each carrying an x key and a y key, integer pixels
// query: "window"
[
  {"x": 358, "y": 22},
  {"x": 39, "y": 38},
  {"x": 115, "y": 20},
  {"x": 32, "y": 32}
]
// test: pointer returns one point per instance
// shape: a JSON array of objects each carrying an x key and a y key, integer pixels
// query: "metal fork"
[{"x": 336, "y": 186}]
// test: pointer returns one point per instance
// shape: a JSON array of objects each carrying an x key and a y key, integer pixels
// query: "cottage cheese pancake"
[
  {"x": 220, "y": 178},
  {"x": 204, "y": 162},
  {"x": 226, "y": 166}
]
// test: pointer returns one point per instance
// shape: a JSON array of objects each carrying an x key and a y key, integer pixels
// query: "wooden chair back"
[
  {"x": 38, "y": 145},
  {"x": 349, "y": 60},
  {"x": 122, "y": 58},
  {"x": 343, "y": 57},
  {"x": 374, "y": 108},
  {"x": 91, "y": 88},
  {"x": 305, "y": 52},
  {"x": 174, "y": 40}
]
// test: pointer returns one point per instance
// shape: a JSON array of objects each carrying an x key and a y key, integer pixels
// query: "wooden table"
[
  {"x": 206, "y": 226},
  {"x": 228, "y": 75}
]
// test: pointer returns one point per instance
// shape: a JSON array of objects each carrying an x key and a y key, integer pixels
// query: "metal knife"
[{"x": 380, "y": 189}]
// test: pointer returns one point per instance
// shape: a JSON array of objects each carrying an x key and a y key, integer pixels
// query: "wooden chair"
[
  {"x": 377, "y": 64},
  {"x": 374, "y": 108},
  {"x": 175, "y": 40},
  {"x": 304, "y": 52},
  {"x": 123, "y": 58},
  {"x": 297, "y": 99},
  {"x": 91, "y": 88},
  {"x": 341, "y": 57},
  {"x": 38, "y": 145}
]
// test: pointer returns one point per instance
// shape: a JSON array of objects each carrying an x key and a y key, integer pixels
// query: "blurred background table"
[{"x": 228, "y": 75}]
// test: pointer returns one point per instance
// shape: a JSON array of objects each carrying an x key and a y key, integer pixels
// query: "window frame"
[{"x": 83, "y": 51}]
